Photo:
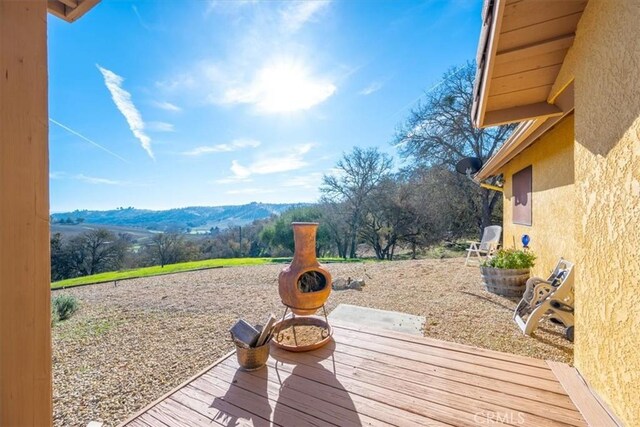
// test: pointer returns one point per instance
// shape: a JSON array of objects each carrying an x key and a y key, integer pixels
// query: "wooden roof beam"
[
  {"x": 540, "y": 110},
  {"x": 70, "y": 3},
  {"x": 526, "y": 134},
  {"x": 56, "y": 8},
  {"x": 65, "y": 10},
  {"x": 540, "y": 48}
]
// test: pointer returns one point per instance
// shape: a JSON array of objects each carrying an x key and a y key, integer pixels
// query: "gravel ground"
[{"x": 132, "y": 342}]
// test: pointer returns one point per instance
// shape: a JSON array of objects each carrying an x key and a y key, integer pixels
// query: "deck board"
[
  {"x": 371, "y": 377},
  {"x": 436, "y": 390}
]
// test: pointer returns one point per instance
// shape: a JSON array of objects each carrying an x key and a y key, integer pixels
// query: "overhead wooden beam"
[
  {"x": 557, "y": 27},
  {"x": 83, "y": 7},
  {"x": 526, "y": 134},
  {"x": 25, "y": 304},
  {"x": 540, "y": 48},
  {"x": 521, "y": 113},
  {"x": 524, "y": 80},
  {"x": 65, "y": 9},
  {"x": 70, "y": 3},
  {"x": 57, "y": 8}
]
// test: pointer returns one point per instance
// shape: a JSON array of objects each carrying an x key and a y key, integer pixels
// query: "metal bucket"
[{"x": 251, "y": 359}]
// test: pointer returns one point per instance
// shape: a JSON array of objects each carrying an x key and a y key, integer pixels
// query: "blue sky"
[{"x": 161, "y": 104}]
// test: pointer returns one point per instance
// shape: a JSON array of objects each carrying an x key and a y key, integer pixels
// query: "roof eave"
[
  {"x": 492, "y": 21},
  {"x": 525, "y": 134},
  {"x": 70, "y": 10},
  {"x": 521, "y": 51}
]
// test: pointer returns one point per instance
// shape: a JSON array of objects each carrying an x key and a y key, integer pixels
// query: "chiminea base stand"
[{"x": 294, "y": 321}]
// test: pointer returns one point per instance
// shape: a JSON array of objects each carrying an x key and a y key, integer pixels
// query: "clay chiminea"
[{"x": 305, "y": 284}]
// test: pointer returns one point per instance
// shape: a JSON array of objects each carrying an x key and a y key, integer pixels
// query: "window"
[{"x": 522, "y": 196}]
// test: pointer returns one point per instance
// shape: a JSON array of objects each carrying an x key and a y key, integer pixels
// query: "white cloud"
[
  {"x": 291, "y": 160},
  {"x": 235, "y": 145},
  {"x": 281, "y": 86},
  {"x": 311, "y": 180},
  {"x": 337, "y": 172},
  {"x": 56, "y": 175},
  {"x": 251, "y": 191},
  {"x": 239, "y": 171},
  {"x": 371, "y": 88},
  {"x": 167, "y": 106},
  {"x": 298, "y": 13},
  {"x": 263, "y": 64},
  {"x": 159, "y": 127},
  {"x": 232, "y": 180},
  {"x": 177, "y": 82},
  {"x": 226, "y": 7},
  {"x": 96, "y": 180},
  {"x": 125, "y": 105}
]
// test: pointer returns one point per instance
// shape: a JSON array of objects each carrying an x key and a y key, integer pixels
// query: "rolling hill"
[{"x": 197, "y": 219}]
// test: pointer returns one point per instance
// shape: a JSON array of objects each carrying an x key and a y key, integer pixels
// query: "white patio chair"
[
  {"x": 550, "y": 299},
  {"x": 487, "y": 246}
]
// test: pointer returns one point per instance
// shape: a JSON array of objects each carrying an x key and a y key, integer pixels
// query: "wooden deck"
[{"x": 373, "y": 377}]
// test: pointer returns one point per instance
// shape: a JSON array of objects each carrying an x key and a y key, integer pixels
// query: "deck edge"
[
  {"x": 177, "y": 388},
  {"x": 591, "y": 407}
]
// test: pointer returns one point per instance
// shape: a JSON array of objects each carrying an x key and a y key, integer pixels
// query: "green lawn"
[{"x": 175, "y": 268}]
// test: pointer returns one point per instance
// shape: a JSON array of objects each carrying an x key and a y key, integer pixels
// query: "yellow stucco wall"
[
  {"x": 552, "y": 225},
  {"x": 605, "y": 65}
]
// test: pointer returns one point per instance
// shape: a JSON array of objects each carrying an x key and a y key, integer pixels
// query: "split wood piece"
[
  {"x": 267, "y": 331},
  {"x": 243, "y": 332}
]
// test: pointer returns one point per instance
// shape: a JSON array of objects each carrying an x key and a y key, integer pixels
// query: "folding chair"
[
  {"x": 550, "y": 299},
  {"x": 487, "y": 246}
]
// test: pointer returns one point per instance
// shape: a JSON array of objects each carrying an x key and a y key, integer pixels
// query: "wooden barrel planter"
[{"x": 505, "y": 282}]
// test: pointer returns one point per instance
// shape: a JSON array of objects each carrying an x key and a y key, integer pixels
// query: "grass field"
[{"x": 176, "y": 268}]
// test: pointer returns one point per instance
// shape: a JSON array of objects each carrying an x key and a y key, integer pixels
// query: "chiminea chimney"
[{"x": 305, "y": 284}]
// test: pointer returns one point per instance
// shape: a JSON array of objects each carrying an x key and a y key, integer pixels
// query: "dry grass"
[{"x": 128, "y": 344}]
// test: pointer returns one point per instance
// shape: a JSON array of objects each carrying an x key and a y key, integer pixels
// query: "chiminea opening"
[{"x": 311, "y": 281}]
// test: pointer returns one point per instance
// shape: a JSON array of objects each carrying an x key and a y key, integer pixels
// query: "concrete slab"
[{"x": 380, "y": 319}]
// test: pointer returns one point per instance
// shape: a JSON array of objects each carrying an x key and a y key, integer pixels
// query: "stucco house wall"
[
  {"x": 605, "y": 63},
  {"x": 552, "y": 201}
]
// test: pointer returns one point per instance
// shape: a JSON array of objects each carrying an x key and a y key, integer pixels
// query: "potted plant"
[{"x": 506, "y": 273}]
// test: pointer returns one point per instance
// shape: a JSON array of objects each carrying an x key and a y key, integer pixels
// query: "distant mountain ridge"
[{"x": 194, "y": 219}]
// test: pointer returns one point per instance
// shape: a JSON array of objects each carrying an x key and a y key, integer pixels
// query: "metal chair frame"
[{"x": 551, "y": 299}]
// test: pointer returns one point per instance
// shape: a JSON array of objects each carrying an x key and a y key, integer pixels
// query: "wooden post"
[{"x": 25, "y": 307}]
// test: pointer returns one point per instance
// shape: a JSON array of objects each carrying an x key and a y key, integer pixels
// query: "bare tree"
[
  {"x": 439, "y": 131},
  {"x": 335, "y": 218},
  {"x": 167, "y": 248},
  {"x": 96, "y": 251},
  {"x": 60, "y": 265},
  {"x": 359, "y": 172},
  {"x": 383, "y": 218}
]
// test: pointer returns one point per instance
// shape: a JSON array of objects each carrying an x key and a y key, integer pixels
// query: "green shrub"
[
  {"x": 511, "y": 259},
  {"x": 64, "y": 306}
]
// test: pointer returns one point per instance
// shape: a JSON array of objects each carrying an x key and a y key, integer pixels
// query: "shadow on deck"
[{"x": 375, "y": 377}]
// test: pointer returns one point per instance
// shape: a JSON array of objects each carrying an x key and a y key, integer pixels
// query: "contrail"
[
  {"x": 424, "y": 93},
  {"x": 88, "y": 140}
]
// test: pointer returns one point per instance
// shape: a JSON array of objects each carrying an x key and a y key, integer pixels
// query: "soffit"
[{"x": 522, "y": 47}]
